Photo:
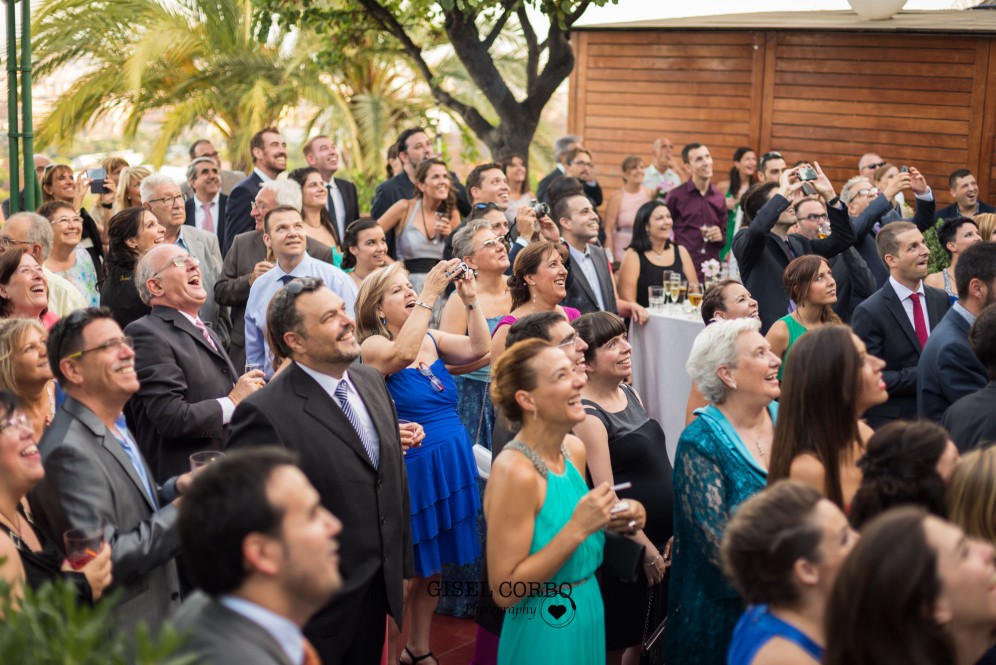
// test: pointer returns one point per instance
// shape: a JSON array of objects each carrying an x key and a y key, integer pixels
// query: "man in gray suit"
[
  {"x": 161, "y": 195},
  {"x": 95, "y": 474},
  {"x": 263, "y": 550}
]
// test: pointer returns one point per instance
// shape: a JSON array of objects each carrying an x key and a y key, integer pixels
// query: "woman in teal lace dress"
[
  {"x": 545, "y": 535},
  {"x": 721, "y": 460}
]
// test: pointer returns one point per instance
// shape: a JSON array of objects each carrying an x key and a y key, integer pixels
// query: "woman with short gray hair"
[{"x": 721, "y": 460}]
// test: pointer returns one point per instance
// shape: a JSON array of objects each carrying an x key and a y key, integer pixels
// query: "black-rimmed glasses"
[{"x": 109, "y": 345}]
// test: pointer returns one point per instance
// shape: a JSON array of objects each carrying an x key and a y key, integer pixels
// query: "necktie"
[
  {"x": 310, "y": 655},
  {"x": 136, "y": 462},
  {"x": 919, "y": 324},
  {"x": 204, "y": 331},
  {"x": 208, "y": 219},
  {"x": 287, "y": 279},
  {"x": 347, "y": 410},
  {"x": 330, "y": 205}
]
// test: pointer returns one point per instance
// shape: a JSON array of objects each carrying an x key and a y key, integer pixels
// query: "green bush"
[
  {"x": 48, "y": 627},
  {"x": 939, "y": 258}
]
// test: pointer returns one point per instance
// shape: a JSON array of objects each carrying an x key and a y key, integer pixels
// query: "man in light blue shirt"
[{"x": 284, "y": 236}]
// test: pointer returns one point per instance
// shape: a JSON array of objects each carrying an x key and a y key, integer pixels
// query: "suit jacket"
[
  {"x": 89, "y": 480},
  {"x": 882, "y": 324},
  {"x": 544, "y": 184},
  {"x": 953, "y": 211},
  {"x": 351, "y": 201},
  {"x": 219, "y": 224},
  {"x": 237, "y": 213},
  {"x": 581, "y": 294},
  {"x": 948, "y": 368},
  {"x": 229, "y": 181},
  {"x": 204, "y": 246},
  {"x": 232, "y": 287},
  {"x": 878, "y": 213},
  {"x": 373, "y": 504},
  {"x": 971, "y": 421},
  {"x": 217, "y": 635},
  {"x": 763, "y": 256},
  {"x": 176, "y": 412}
]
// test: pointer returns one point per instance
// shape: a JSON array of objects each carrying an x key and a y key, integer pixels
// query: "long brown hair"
[
  {"x": 799, "y": 277},
  {"x": 818, "y": 410}
]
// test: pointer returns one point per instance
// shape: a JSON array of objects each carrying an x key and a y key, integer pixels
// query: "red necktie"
[
  {"x": 919, "y": 323},
  {"x": 208, "y": 222},
  {"x": 310, "y": 655}
]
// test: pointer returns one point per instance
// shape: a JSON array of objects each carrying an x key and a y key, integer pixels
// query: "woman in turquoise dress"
[
  {"x": 545, "y": 537},
  {"x": 485, "y": 252},
  {"x": 809, "y": 283},
  {"x": 721, "y": 460},
  {"x": 393, "y": 326}
]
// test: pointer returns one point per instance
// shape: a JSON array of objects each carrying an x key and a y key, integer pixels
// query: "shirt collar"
[
  {"x": 262, "y": 176},
  {"x": 965, "y": 314},
  {"x": 286, "y": 633},
  {"x": 180, "y": 241},
  {"x": 902, "y": 291},
  {"x": 300, "y": 270},
  {"x": 328, "y": 383}
]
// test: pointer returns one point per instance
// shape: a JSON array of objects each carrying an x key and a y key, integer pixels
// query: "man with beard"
[
  {"x": 339, "y": 418},
  {"x": 948, "y": 369},
  {"x": 269, "y": 158}
]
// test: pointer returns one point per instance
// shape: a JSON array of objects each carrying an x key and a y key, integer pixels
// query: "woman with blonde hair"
[
  {"x": 392, "y": 324},
  {"x": 972, "y": 496},
  {"x": 622, "y": 207},
  {"x": 987, "y": 225},
  {"x": 25, "y": 371},
  {"x": 127, "y": 194}
]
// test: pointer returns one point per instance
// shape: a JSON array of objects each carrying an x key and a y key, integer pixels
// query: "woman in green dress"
[
  {"x": 810, "y": 285},
  {"x": 545, "y": 527}
]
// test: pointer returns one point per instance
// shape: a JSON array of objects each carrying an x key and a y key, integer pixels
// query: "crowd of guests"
[{"x": 434, "y": 402}]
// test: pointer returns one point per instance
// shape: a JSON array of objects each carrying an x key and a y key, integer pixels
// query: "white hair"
[
  {"x": 848, "y": 191},
  {"x": 287, "y": 191},
  {"x": 147, "y": 188},
  {"x": 145, "y": 270},
  {"x": 714, "y": 347},
  {"x": 39, "y": 230}
]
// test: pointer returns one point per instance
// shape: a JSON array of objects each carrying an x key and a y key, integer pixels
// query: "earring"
[
  {"x": 383, "y": 320},
  {"x": 733, "y": 387},
  {"x": 535, "y": 415}
]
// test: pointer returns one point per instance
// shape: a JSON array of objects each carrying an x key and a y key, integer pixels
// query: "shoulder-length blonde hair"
[
  {"x": 128, "y": 174},
  {"x": 972, "y": 495},
  {"x": 372, "y": 291},
  {"x": 12, "y": 335}
]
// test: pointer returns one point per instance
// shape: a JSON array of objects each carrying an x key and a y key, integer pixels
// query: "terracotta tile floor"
[{"x": 451, "y": 640}]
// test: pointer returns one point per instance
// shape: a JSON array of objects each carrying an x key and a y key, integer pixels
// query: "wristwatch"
[{"x": 834, "y": 201}]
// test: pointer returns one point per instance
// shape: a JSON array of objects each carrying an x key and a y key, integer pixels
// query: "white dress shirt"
[
  {"x": 904, "y": 298},
  {"x": 340, "y": 207},
  {"x": 199, "y": 211},
  {"x": 588, "y": 268},
  {"x": 329, "y": 384},
  {"x": 262, "y": 176},
  {"x": 284, "y": 631}
]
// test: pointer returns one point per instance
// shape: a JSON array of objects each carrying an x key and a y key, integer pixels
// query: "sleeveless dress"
[
  {"x": 756, "y": 627},
  {"x": 652, "y": 274},
  {"x": 636, "y": 446},
  {"x": 568, "y": 624},
  {"x": 795, "y": 330},
  {"x": 442, "y": 474},
  {"x": 419, "y": 255},
  {"x": 622, "y": 236},
  {"x": 949, "y": 286}
]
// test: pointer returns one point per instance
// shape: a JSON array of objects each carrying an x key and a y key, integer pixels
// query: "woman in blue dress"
[
  {"x": 782, "y": 549},
  {"x": 721, "y": 461},
  {"x": 393, "y": 326}
]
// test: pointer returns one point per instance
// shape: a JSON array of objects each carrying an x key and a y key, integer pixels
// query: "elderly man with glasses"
[
  {"x": 96, "y": 476},
  {"x": 161, "y": 195},
  {"x": 189, "y": 386}
]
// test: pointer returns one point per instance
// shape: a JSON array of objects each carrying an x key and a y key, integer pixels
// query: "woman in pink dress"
[{"x": 622, "y": 206}]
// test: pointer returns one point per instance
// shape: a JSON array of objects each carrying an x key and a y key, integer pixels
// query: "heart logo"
[{"x": 557, "y": 611}]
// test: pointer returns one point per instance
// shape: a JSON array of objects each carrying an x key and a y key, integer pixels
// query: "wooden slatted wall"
[{"x": 914, "y": 98}]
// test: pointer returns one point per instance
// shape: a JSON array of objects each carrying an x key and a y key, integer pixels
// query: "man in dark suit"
[
  {"x": 948, "y": 370},
  {"x": 205, "y": 209},
  {"x": 247, "y": 260},
  {"x": 189, "y": 387},
  {"x": 971, "y": 420},
  {"x": 339, "y": 417},
  {"x": 766, "y": 247},
  {"x": 561, "y": 147},
  {"x": 269, "y": 158},
  {"x": 965, "y": 191},
  {"x": 264, "y": 552},
  {"x": 896, "y": 321},
  {"x": 341, "y": 202},
  {"x": 95, "y": 474},
  {"x": 591, "y": 288}
]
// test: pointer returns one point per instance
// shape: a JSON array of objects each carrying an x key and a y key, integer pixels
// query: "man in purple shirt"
[{"x": 698, "y": 208}]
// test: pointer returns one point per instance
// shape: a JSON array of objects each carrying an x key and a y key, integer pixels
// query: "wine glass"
[{"x": 705, "y": 231}]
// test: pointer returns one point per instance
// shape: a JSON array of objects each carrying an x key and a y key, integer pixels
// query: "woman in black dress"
[
  {"x": 26, "y": 557},
  {"x": 624, "y": 444},
  {"x": 132, "y": 233},
  {"x": 651, "y": 253}
]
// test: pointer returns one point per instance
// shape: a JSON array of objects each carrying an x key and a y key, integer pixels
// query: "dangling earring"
[
  {"x": 535, "y": 415},
  {"x": 383, "y": 320}
]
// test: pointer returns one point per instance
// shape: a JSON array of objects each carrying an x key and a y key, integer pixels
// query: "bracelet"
[
  {"x": 422, "y": 304},
  {"x": 473, "y": 305},
  {"x": 653, "y": 563}
]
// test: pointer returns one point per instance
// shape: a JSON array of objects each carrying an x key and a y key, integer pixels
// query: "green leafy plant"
[
  {"x": 939, "y": 258},
  {"x": 49, "y": 627}
]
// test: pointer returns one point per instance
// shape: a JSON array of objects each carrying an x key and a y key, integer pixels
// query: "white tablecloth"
[{"x": 660, "y": 351}]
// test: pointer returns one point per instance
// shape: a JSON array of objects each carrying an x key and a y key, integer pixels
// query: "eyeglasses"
[
  {"x": 67, "y": 220},
  {"x": 874, "y": 166},
  {"x": 30, "y": 270},
  {"x": 771, "y": 155},
  {"x": 262, "y": 207},
  {"x": 109, "y": 345},
  {"x": 179, "y": 261},
  {"x": 18, "y": 420},
  {"x": 494, "y": 243},
  {"x": 868, "y": 191},
  {"x": 433, "y": 379},
  {"x": 299, "y": 285},
  {"x": 168, "y": 200},
  {"x": 7, "y": 242},
  {"x": 569, "y": 342},
  {"x": 817, "y": 218}
]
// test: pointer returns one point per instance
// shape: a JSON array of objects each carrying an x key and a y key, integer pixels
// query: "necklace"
[
  {"x": 15, "y": 536},
  {"x": 757, "y": 444},
  {"x": 660, "y": 254},
  {"x": 425, "y": 227}
]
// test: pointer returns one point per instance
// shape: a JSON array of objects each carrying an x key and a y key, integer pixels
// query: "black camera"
[
  {"x": 808, "y": 173},
  {"x": 541, "y": 209},
  {"x": 904, "y": 169}
]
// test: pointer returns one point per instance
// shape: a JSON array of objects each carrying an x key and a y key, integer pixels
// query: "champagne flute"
[
  {"x": 682, "y": 290},
  {"x": 695, "y": 296}
]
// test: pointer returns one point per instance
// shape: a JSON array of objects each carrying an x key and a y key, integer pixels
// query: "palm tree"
[{"x": 189, "y": 61}]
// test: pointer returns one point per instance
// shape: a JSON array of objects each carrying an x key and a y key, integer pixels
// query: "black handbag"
[{"x": 652, "y": 649}]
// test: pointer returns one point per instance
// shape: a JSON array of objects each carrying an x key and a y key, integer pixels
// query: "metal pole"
[
  {"x": 27, "y": 132},
  {"x": 15, "y": 200}
]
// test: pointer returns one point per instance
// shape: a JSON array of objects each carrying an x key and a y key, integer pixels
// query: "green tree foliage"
[{"x": 502, "y": 114}]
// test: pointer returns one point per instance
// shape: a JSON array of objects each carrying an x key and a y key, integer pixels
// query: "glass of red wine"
[{"x": 83, "y": 545}]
